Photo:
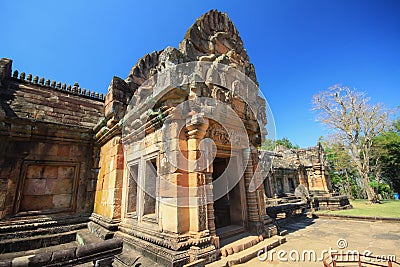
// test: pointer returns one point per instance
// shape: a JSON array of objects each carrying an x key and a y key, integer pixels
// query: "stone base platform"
[
  {"x": 161, "y": 256},
  {"x": 331, "y": 202},
  {"x": 233, "y": 239}
]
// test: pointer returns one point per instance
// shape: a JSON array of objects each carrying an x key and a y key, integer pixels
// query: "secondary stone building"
[
  {"x": 291, "y": 167},
  {"x": 72, "y": 157}
]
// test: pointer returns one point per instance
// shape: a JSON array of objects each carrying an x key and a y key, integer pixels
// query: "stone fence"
[{"x": 75, "y": 89}]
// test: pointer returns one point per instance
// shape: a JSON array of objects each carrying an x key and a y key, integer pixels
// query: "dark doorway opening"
[{"x": 227, "y": 209}]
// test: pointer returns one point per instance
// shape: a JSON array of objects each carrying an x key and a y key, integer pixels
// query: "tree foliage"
[
  {"x": 272, "y": 144},
  {"x": 342, "y": 170},
  {"x": 386, "y": 156},
  {"x": 355, "y": 123}
]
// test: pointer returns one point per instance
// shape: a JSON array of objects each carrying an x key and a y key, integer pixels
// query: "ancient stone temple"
[
  {"x": 307, "y": 167},
  {"x": 291, "y": 167},
  {"x": 166, "y": 161},
  {"x": 161, "y": 209}
]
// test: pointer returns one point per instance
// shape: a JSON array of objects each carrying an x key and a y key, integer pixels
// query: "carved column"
[
  {"x": 210, "y": 205},
  {"x": 259, "y": 182},
  {"x": 250, "y": 196},
  {"x": 197, "y": 127}
]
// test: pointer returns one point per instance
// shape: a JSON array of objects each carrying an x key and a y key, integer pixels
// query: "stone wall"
[{"x": 46, "y": 148}]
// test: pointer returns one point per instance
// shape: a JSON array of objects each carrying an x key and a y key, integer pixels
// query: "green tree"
[
  {"x": 342, "y": 169},
  {"x": 268, "y": 144},
  {"x": 271, "y": 144},
  {"x": 386, "y": 156}
]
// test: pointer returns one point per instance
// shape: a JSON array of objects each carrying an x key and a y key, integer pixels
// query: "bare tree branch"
[{"x": 355, "y": 122}]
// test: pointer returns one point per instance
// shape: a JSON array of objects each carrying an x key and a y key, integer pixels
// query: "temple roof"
[{"x": 213, "y": 37}]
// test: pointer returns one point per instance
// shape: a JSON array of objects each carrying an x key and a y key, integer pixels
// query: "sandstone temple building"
[
  {"x": 291, "y": 167},
  {"x": 79, "y": 175}
]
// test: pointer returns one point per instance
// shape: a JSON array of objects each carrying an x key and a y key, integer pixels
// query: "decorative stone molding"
[{"x": 76, "y": 90}]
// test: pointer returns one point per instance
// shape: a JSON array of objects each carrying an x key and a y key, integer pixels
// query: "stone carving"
[{"x": 218, "y": 133}]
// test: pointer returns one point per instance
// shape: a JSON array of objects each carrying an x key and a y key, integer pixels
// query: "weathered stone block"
[
  {"x": 62, "y": 201},
  {"x": 34, "y": 171},
  {"x": 63, "y": 255},
  {"x": 30, "y": 203},
  {"x": 66, "y": 172},
  {"x": 62, "y": 186},
  {"x": 50, "y": 172},
  {"x": 40, "y": 259},
  {"x": 115, "y": 179},
  {"x": 34, "y": 187},
  {"x": 63, "y": 150}
]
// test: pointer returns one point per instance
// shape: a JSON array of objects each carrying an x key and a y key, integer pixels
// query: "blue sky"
[{"x": 297, "y": 47}]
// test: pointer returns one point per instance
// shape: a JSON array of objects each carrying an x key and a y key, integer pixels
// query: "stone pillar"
[
  {"x": 285, "y": 180},
  {"x": 174, "y": 216},
  {"x": 197, "y": 127},
  {"x": 251, "y": 197},
  {"x": 271, "y": 185},
  {"x": 109, "y": 181},
  {"x": 302, "y": 176},
  {"x": 108, "y": 196},
  {"x": 258, "y": 220},
  {"x": 210, "y": 205},
  {"x": 320, "y": 184}
]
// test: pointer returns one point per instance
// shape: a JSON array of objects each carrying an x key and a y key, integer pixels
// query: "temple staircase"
[
  {"x": 62, "y": 240},
  {"x": 244, "y": 247}
]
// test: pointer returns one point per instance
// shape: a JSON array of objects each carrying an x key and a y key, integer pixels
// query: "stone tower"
[{"x": 176, "y": 106}]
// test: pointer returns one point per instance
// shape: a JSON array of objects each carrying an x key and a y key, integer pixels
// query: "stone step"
[
  {"x": 19, "y": 228},
  {"x": 40, "y": 230},
  {"x": 38, "y": 250},
  {"x": 229, "y": 231},
  {"x": 85, "y": 237},
  {"x": 235, "y": 238},
  {"x": 240, "y": 244},
  {"x": 19, "y": 224},
  {"x": 249, "y": 253},
  {"x": 36, "y": 242}
]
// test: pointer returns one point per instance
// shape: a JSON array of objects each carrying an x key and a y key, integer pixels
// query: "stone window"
[
  {"x": 150, "y": 185},
  {"x": 132, "y": 189}
]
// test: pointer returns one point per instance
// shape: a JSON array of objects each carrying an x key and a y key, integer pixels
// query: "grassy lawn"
[{"x": 388, "y": 208}]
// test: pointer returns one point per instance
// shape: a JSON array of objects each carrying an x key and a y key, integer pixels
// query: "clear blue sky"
[{"x": 297, "y": 47}]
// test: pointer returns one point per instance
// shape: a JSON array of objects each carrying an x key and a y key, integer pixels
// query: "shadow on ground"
[{"x": 295, "y": 223}]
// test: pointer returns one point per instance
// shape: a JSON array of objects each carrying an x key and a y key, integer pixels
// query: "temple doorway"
[{"x": 227, "y": 209}]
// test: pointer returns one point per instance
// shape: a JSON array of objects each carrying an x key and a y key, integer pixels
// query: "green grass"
[{"x": 388, "y": 208}]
